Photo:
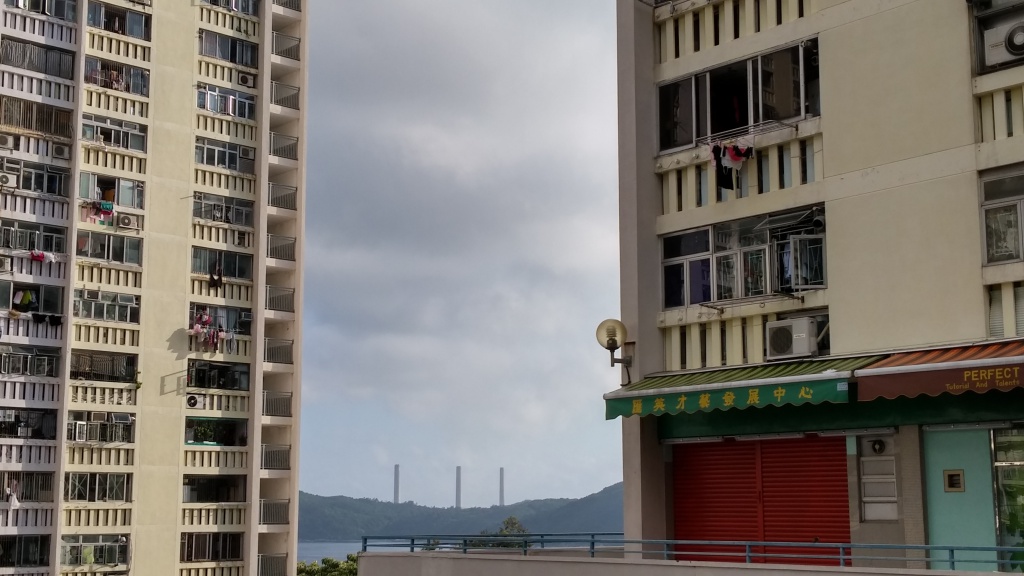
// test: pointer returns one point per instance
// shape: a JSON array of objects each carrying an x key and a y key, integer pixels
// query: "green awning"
[{"x": 776, "y": 384}]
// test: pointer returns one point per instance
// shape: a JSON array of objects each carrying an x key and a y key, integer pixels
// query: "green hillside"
[{"x": 338, "y": 518}]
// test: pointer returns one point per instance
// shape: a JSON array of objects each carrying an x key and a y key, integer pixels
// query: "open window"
[{"x": 734, "y": 99}]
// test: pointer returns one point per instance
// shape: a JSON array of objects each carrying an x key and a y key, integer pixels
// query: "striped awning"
[
  {"x": 953, "y": 370},
  {"x": 800, "y": 382}
]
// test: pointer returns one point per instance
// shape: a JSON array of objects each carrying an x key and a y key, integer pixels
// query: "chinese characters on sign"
[{"x": 728, "y": 398}]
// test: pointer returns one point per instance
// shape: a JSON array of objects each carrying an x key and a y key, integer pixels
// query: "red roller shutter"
[
  {"x": 771, "y": 491},
  {"x": 716, "y": 496},
  {"x": 805, "y": 494}
]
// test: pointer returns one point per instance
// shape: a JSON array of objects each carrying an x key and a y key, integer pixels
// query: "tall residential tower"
[{"x": 151, "y": 210}]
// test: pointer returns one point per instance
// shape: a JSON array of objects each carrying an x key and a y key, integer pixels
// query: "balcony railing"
[
  {"x": 281, "y": 247},
  {"x": 284, "y": 95},
  {"x": 280, "y": 299},
  {"x": 282, "y": 196},
  {"x": 273, "y": 511},
  {"x": 284, "y": 146},
  {"x": 278, "y": 351},
  {"x": 277, "y": 403},
  {"x": 290, "y": 4},
  {"x": 273, "y": 564},
  {"x": 276, "y": 457},
  {"x": 287, "y": 46}
]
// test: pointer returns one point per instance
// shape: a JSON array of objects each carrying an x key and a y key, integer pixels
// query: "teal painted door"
[{"x": 964, "y": 518}]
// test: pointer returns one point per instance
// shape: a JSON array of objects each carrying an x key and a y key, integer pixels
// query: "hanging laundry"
[
  {"x": 735, "y": 156},
  {"x": 38, "y": 318},
  {"x": 49, "y": 257},
  {"x": 56, "y": 320},
  {"x": 723, "y": 173},
  {"x": 37, "y": 256},
  {"x": 106, "y": 208},
  {"x": 13, "y": 314}
]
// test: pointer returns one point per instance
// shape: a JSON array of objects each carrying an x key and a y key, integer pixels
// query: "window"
[
  {"x": 1002, "y": 201},
  {"x": 83, "y": 550},
  {"x": 27, "y": 236},
  {"x": 215, "y": 431},
  {"x": 223, "y": 209},
  {"x": 227, "y": 48},
  {"x": 218, "y": 375},
  {"x": 119, "y": 20},
  {"x": 744, "y": 259},
  {"x": 250, "y": 7},
  {"x": 37, "y": 117},
  {"x": 31, "y": 297},
  {"x": 225, "y": 155},
  {"x": 28, "y": 424},
  {"x": 109, "y": 247},
  {"x": 40, "y": 59},
  {"x": 104, "y": 367},
  {"x": 238, "y": 320},
  {"x": 210, "y": 547},
  {"x": 121, "y": 191},
  {"x": 62, "y": 9},
  {"x": 117, "y": 76},
  {"x": 226, "y": 101},
  {"x": 113, "y": 132},
  {"x": 878, "y": 497},
  {"x": 103, "y": 487},
  {"x": 34, "y": 177},
  {"x": 780, "y": 85},
  {"x": 107, "y": 306},
  {"x": 24, "y": 551},
  {"x": 212, "y": 489},
  {"x": 28, "y": 486},
  {"x": 997, "y": 34},
  {"x": 218, "y": 262},
  {"x": 30, "y": 361}
]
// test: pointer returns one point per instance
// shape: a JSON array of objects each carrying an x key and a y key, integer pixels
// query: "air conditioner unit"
[
  {"x": 92, "y": 294},
  {"x": 793, "y": 338},
  {"x": 7, "y": 415},
  {"x": 8, "y": 141},
  {"x": 97, "y": 416},
  {"x": 247, "y": 153},
  {"x": 195, "y": 401},
  {"x": 130, "y": 221},
  {"x": 6, "y": 264},
  {"x": 247, "y": 80},
  {"x": 1004, "y": 41},
  {"x": 5, "y": 180},
  {"x": 61, "y": 151},
  {"x": 245, "y": 315}
]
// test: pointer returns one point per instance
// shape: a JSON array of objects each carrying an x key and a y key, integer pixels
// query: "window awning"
[
  {"x": 997, "y": 366},
  {"x": 776, "y": 384}
]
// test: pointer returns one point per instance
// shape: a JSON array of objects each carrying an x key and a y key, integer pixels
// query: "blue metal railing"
[{"x": 837, "y": 554}]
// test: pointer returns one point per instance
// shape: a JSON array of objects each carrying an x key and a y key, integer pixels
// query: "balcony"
[
  {"x": 284, "y": 95},
  {"x": 281, "y": 247},
  {"x": 282, "y": 196},
  {"x": 284, "y": 146},
  {"x": 276, "y": 457},
  {"x": 278, "y": 351},
  {"x": 286, "y": 46},
  {"x": 277, "y": 404},
  {"x": 290, "y": 4},
  {"x": 273, "y": 511},
  {"x": 273, "y": 564},
  {"x": 280, "y": 299}
]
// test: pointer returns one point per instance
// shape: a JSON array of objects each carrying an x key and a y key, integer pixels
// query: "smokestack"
[
  {"x": 396, "y": 483},
  {"x": 501, "y": 486},
  {"x": 458, "y": 487}
]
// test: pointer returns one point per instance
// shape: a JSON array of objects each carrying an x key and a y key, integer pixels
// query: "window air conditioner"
[
  {"x": 5, "y": 180},
  {"x": 130, "y": 221},
  {"x": 247, "y": 153},
  {"x": 1004, "y": 41},
  {"x": 247, "y": 80},
  {"x": 793, "y": 338},
  {"x": 92, "y": 294},
  {"x": 6, "y": 264},
  {"x": 8, "y": 141},
  {"x": 61, "y": 151},
  {"x": 195, "y": 401},
  {"x": 97, "y": 416}
]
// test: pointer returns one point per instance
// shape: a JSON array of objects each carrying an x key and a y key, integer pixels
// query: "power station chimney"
[
  {"x": 501, "y": 486},
  {"x": 396, "y": 483},
  {"x": 458, "y": 487}
]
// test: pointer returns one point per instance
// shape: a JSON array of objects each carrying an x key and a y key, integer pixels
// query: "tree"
[
  {"x": 329, "y": 567},
  {"x": 510, "y": 527}
]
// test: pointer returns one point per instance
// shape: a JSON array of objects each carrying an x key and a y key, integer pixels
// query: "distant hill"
[{"x": 338, "y": 518}]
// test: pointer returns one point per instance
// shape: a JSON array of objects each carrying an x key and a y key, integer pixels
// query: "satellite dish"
[{"x": 611, "y": 334}]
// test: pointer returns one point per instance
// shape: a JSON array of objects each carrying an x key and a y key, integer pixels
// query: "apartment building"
[
  {"x": 151, "y": 208},
  {"x": 821, "y": 274}
]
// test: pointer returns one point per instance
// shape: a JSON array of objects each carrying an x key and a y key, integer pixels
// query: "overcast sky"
[{"x": 461, "y": 249}]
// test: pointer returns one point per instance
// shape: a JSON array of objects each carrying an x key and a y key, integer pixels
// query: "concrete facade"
[
  {"x": 168, "y": 427},
  {"x": 894, "y": 153}
]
